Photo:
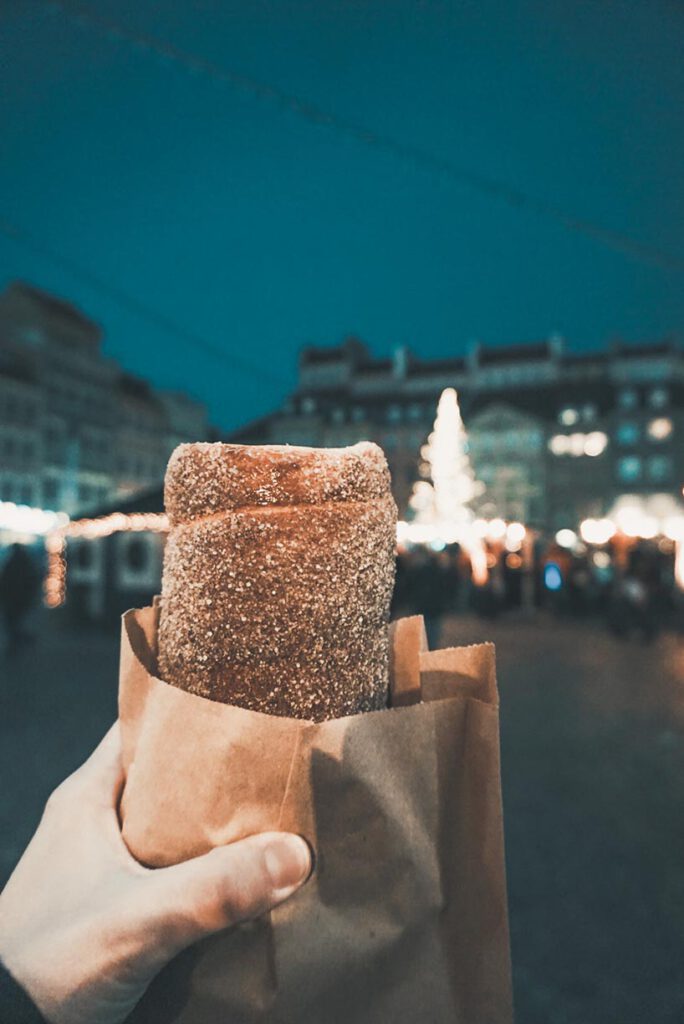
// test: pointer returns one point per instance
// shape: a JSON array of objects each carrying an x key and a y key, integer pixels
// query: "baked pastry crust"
[{"x": 278, "y": 574}]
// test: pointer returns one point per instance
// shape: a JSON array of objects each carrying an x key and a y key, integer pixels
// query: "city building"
[
  {"x": 75, "y": 430},
  {"x": 555, "y": 436}
]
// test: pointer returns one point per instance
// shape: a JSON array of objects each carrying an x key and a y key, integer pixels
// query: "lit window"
[
  {"x": 415, "y": 412},
  {"x": 579, "y": 444},
  {"x": 589, "y": 412},
  {"x": 628, "y": 433},
  {"x": 338, "y": 415},
  {"x": 568, "y": 417},
  {"x": 595, "y": 443},
  {"x": 628, "y": 399},
  {"x": 660, "y": 429},
  {"x": 393, "y": 413},
  {"x": 358, "y": 414},
  {"x": 308, "y": 405},
  {"x": 576, "y": 444},
  {"x": 659, "y": 467},
  {"x": 560, "y": 444},
  {"x": 658, "y": 398},
  {"x": 629, "y": 467}
]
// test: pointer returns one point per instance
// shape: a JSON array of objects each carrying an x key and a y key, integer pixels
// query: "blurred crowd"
[{"x": 632, "y": 592}]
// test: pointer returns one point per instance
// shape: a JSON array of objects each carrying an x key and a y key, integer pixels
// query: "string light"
[
  {"x": 36, "y": 522},
  {"x": 91, "y": 529},
  {"x": 409, "y": 153},
  {"x": 597, "y": 531},
  {"x": 643, "y": 520},
  {"x": 515, "y": 535}
]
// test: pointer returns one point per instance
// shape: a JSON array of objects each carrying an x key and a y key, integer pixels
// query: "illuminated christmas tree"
[{"x": 443, "y": 502}]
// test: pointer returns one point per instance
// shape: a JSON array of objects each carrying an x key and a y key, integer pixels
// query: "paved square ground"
[{"x": 593, "y": 776}]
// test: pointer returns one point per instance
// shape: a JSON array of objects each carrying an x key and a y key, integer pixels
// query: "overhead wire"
[
  {"x": 408, "y": 152},
  {"x": 142, "y": 310}
]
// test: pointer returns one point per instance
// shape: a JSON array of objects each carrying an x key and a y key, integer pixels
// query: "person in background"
[
  {"x": 19, "y": 587},
  {"x": 431, "y": 593}
]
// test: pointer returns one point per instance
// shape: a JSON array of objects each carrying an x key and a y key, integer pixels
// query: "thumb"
[{"x": 227, "y": 885}]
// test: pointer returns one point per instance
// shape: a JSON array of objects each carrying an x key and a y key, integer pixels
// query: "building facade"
[
  {"x": 75, "y": 430},
  {"x": 554, "y": 436}
]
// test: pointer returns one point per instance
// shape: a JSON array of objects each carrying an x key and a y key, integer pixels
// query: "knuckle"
[{"x": 236, "y": 895}]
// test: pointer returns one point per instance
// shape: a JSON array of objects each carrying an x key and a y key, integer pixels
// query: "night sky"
[{"x": 248, "y": 225}]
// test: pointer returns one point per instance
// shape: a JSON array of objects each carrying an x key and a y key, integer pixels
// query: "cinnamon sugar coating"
[{"x": 278, "y": 574}]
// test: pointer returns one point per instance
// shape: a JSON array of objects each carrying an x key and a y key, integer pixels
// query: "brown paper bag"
[{"x": 404, "y": 920}]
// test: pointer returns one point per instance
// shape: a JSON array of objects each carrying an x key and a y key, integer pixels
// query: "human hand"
[{"x": 84, "y": 928}]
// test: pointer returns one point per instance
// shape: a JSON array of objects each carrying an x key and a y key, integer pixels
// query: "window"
[
  {"x": 628, "y": 399},
  {"x": 308, "y": 406},
  {"x": 393, "y": 414},
  {"x": 26, "y": 494},
  {"x": 629, "y": 467},
  {"x": 414, "y": 411},
  {"x": 578, "y": 444},
  {"x": 628, "y": 433},
  {"x": 588, "y": 412},
  {"x": 84, "y": 555},
  {"x": 137, "y": 555},
  {"x": 595, "y": 443},
  {"x": 337, "y": 415},
  {"x": 568, "y": 417},
  {"x": 559, "y": 444},
  {"x": 50, "y": 492},
  {"x": 659, "y": 467},
  {"x": 358, "y": 414},
  {"x": 658, "y": 398},
  {"x": 660, "y": 429}
]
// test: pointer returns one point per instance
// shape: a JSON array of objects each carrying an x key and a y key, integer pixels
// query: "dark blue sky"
[{"x": 261, "y": 232}]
